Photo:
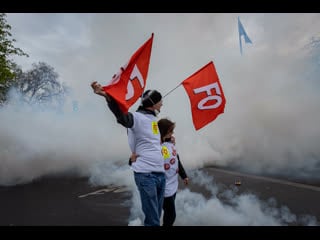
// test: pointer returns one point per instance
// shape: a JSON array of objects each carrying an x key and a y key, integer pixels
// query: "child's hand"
[
  {"x": 186, "y": 181},
  {"x": 133, "y": 157}
]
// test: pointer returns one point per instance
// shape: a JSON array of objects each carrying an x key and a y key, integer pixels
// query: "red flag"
[
  {"x": 205, "y": 94},
  {"x": 127, "y": 86}
]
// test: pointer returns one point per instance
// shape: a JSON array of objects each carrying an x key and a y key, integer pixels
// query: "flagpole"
[
  {"x": 172, "y": 90},
  {"x": 240, "y": 43}
]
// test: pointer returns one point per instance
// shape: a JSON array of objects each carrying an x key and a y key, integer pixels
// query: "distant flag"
[
  {"x": 127, "y": 86},
  {"x": 205, "y": 94},
  {"x": 243, "y": 33}
]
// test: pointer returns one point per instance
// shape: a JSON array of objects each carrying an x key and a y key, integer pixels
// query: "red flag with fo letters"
[
  {"x": 127, "y": 86},
  {"x": 205, "y": 94}
]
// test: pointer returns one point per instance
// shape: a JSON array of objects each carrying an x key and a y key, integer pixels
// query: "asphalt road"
[
  {"x": 301, "y": 199},
  {"x": 73, "y": 202},
  {"x": 62, "y": 202}
]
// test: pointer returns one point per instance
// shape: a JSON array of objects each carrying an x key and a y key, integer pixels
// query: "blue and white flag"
[{"x": 243, "y": 33}]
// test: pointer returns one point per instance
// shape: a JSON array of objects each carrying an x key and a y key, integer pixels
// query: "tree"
[
  {"x": 313, "y": 59},
  {"x": 8, "y": 69},
  {"x": 40, "y": 86}
]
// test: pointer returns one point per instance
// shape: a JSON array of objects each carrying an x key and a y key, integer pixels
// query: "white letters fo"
[
  {"x": 207, "y": 89},
  {"x": 134, "y": 74}
]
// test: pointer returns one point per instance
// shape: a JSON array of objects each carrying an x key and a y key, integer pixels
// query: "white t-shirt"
[
  {"x": 171, "y": 167},
  {"x": 144, "y": 140}
]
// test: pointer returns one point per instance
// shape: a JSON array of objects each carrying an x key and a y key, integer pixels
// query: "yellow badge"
[
  {"x": 165, "y": 152},
  {"x": 155, "y": 129}
]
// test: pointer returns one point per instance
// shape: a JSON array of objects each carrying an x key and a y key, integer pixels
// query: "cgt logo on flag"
[
  {"x": 205, "y": 94},
  {"x": 243, "y": 33},
  {"x": 127, "y": 86}
]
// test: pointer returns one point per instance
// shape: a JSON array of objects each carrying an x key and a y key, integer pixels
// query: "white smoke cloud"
[{"x": 270, "y": 123}]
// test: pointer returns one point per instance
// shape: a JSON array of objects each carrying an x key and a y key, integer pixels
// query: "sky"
[{"x": 269, "y": 126}]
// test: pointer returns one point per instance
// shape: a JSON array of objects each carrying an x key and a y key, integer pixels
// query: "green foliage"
[{"x": 8, "y": 68}]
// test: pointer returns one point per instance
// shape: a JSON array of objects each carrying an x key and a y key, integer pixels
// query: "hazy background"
[{"x": 270, "y": 124}]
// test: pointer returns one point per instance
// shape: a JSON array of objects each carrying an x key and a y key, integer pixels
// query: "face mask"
[{"x": 156, "y": 112}]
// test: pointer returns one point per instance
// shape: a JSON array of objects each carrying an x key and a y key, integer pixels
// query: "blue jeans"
[{"x": 151, "y": 187}]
